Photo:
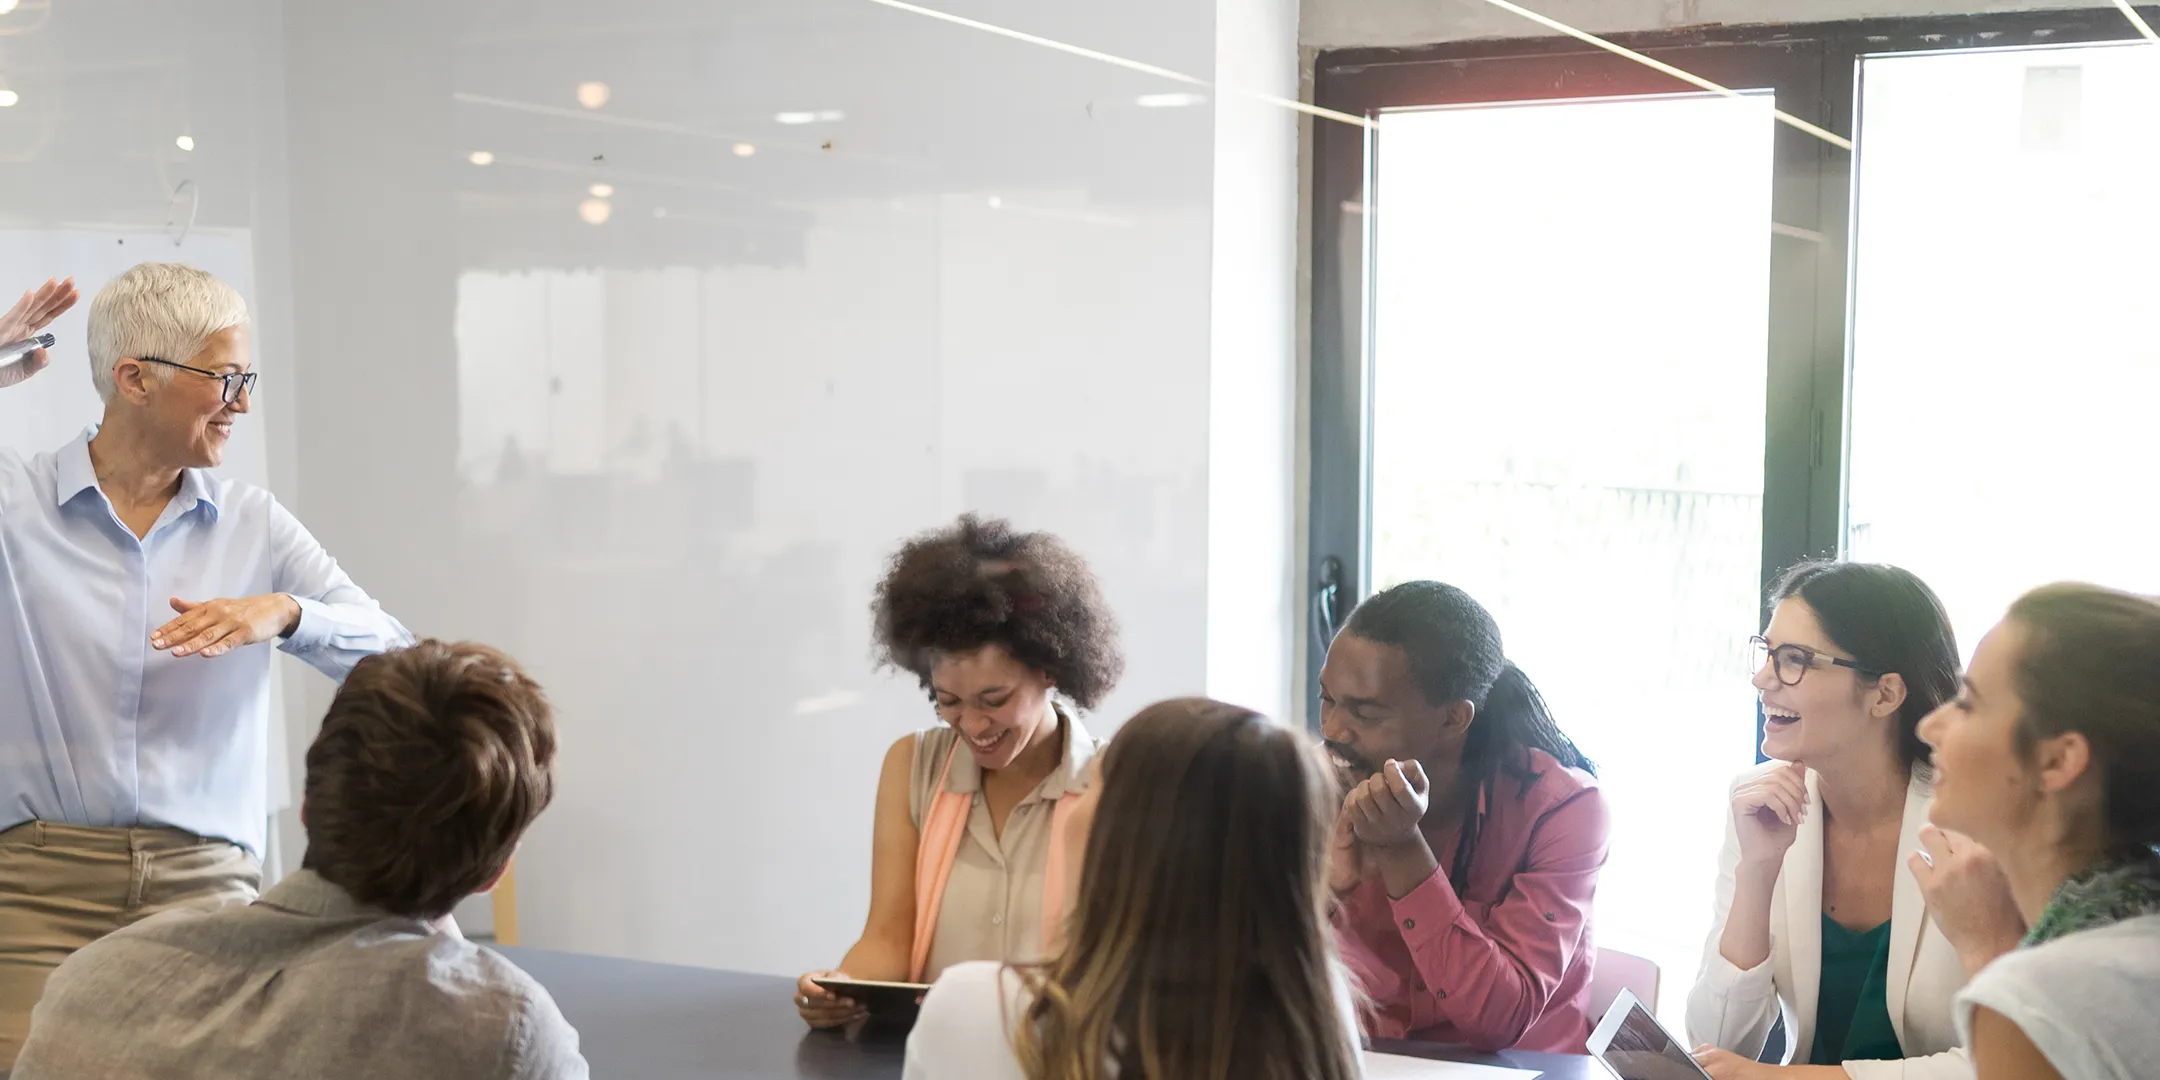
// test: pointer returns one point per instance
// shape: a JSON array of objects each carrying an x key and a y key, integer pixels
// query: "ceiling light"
[
  {"x": 481, "y": 157},
  {"x": 8, "y": 98},
  {"x": 7, "y": 6},
  {"x": 996, "y": 202},
  {"x": 601, "y": 191},
  {"x": 1167, "y": 101},
  {"x": 185, "y": 142},
  {"x": 830, "y": 116},
  {"x": 595, "y": 211},
  {"x": 743, "y": 149},
  {"x": 795, "y": 118},
  {"x": 592, "y": 95}
]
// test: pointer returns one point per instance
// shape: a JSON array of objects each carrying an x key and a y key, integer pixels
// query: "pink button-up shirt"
[{"x": 1505, "y": 963}]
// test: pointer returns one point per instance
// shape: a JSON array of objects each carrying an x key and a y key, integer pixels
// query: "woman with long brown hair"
[
  {"x": 1198, "y": 944},
  {"x": 2050, "y": 758}
]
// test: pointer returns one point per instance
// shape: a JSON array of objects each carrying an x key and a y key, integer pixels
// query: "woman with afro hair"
[{"x": 1009, "y": 636}]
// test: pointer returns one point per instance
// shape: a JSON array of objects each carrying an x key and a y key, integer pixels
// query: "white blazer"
[{"x": 1736, "y": 1009}]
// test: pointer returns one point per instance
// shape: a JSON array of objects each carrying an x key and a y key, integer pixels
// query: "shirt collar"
[
  {"x": 308, "y": 893},
  {"x": 197, "y": 490},
  {"x": 965, "y": 776},
  {"x": 76, "y": 475}
]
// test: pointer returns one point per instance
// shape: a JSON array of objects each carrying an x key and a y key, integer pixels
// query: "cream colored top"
[{"x": 993, "y": 901}]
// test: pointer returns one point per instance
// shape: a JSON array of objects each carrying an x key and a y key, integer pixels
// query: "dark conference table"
[{"x": 642, "y": 1021}]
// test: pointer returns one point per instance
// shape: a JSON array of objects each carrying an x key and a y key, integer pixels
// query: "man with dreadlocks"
[{"x": 1469, "y": 843}]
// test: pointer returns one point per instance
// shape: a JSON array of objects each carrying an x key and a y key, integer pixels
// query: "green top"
[{"x": 1852, "y": 1021}]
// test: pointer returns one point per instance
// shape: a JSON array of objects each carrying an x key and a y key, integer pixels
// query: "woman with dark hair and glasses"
[{"x": 1816, "y": 918}]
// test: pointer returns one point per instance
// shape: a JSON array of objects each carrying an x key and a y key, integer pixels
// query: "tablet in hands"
[{"x": 881, "y": 998}]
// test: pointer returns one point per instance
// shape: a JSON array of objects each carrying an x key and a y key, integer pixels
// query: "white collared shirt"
[{"x": 98, "y": 728}]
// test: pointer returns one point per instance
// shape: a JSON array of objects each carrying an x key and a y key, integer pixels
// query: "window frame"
[{"x": 1815, "y": 71}]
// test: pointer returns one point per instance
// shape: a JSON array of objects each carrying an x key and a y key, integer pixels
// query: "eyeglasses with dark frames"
[
  {"x": 236, "y": 382},
  {"x": 1793, "y": 661}
]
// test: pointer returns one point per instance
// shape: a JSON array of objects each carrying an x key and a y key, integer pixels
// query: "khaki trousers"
[{"x": 64, "y": 886}]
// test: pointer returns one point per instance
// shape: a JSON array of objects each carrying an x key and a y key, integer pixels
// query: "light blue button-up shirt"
[{"x": 98, "y": 728}]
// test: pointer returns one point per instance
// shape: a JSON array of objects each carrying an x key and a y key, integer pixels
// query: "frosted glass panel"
[
  {"x": 1569, "y": 362},
  {"x": 858, "y": 271},
  {"x": 633, "y": 337},
  {"x": 2004, "y": 366}
]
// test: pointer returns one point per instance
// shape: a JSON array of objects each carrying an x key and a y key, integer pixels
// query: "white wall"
[
  {"x": 1254, "y": 617},
  {"x": 1332, "y": 24},
  {"x": 991, "y": 286}
]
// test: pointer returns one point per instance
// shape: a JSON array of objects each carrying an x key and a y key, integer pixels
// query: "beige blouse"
[{"x": 993, "y": 901}]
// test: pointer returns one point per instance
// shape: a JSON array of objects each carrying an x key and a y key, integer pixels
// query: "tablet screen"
[
  {"x": 1635, "y": 1047},
  {"x": 878, "y": 997}
]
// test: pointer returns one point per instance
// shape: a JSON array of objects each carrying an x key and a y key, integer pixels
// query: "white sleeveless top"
[
  {"x": 2086, "y": 1000},
  {"x": 965, "y": 1031}
]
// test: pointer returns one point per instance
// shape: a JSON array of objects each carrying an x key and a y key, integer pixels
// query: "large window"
[
  {"x": 2005, "y": 367},
  {"x": 1582, "y": 346},
  {"x": 1567, "y": 422}
]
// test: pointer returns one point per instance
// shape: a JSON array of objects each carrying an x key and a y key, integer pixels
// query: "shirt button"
[
  {"x": 1409, "y": 924},
  {"x": 1550, "y": 917},
  {"x": 1441, "y": 994},
  {"x": 997, "y": 920}
]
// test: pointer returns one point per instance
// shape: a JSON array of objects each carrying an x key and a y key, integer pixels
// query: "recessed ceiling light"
[
  {"x": 601, "y": 191},
  {"x": 185, "y": 142},
  {"x": 481, "y": 157},
  {"x": 795, "y": 118},
  {"x": 592, "y": 95},
  {"x": 8, "y": 5},
  {"x": 595, "y": 211},
  {"x": 996, "y": 202},
  {"x": 8, "y": 98},
  {"x": 1167, "y": 101},
  {"x": 743, "y": 149}
]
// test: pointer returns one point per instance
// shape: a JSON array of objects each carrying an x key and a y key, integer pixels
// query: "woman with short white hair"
[{"x": 133, "y": 583}]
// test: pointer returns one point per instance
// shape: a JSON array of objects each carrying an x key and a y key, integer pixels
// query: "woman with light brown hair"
[
  {"x": 1198, "y": 944},
  {"x": 2050, "y": 759}
]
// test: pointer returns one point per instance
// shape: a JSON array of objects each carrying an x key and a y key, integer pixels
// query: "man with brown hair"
[{"x": 430, "y": 765}]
